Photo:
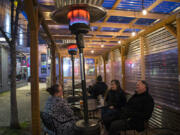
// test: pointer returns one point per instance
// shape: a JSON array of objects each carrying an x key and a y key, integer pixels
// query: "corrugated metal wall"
[
  {"x": 109, "y": 70},
  {"x": 101, "y": 67},
  {"x": 161, "y": 73},
  {"x": 132, "y": 66},
  {"x": 161, "y": 63},
  {"x": 117, "y": 68}
]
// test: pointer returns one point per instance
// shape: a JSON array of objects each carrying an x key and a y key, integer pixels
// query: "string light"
[
  {"x": 119, "y": 42},
  {"x": 92, "y": 51},
  {"x": 133, "y": 34},
  {"x": 144, "y": 12},
  {"x": 102, "y": 46}
]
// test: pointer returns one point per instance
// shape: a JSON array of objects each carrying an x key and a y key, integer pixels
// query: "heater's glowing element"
[
  {"x": 78, "y": 20},
  {"x": 78, "y": 16},
  {"x": 72, "y": 49}
]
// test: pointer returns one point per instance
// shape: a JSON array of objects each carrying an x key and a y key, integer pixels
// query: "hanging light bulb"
[
  {"x": 102, "y": 46},
  {"x": 144, "y": 12},
  {"x": 119, "y": 42},
  {"x": 92, "y": 51},
  {"x": 133, "y": 34}
]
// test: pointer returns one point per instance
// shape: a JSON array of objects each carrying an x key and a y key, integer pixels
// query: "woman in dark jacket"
[
  {"x": 59, "y": 109},
  {"x": 114, "y": 101}
]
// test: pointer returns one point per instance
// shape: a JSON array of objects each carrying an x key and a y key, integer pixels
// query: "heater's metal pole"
[
  {"x": 80, "y": 43},
  {"x": 72, "y": 58}
]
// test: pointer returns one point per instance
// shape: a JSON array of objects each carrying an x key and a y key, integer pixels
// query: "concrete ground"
[{"x": 24, "y": 104}]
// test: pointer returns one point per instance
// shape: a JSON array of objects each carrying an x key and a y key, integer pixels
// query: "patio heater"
[
  {"x": 78, "y": 14},
  {"x": 72, "y": 50}
]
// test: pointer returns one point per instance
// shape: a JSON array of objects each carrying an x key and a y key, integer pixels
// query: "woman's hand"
[{"x": 111, "y": 107}]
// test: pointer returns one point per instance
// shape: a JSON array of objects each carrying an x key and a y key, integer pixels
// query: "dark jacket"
[
  {"x": 98, "y": 89},
  {"x": 116, "y": 99},
  {"x": 138, "y": 110}
]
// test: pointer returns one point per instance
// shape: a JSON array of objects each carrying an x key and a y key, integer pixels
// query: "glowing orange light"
[
  {"x": 72, "y": 47},
  {"x": 78, "y": 13}
]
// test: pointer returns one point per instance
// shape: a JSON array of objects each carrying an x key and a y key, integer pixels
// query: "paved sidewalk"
[{"x": 24, "y": 104}]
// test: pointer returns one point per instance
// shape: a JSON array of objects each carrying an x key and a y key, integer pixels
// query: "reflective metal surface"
[
  {"x": 96, "y": 13},
  {"x": 63, "y": 3}
]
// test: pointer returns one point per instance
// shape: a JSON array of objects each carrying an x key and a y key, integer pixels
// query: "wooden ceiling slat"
[
  {"x": 112, "y": 12},
  {"x": 157, "y": 2},
  {"x": 135, "y": 14},
  {"x": 59, "y": 37},
  {"x": 108, "y": 16}
]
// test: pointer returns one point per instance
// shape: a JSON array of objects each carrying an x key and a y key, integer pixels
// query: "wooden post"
[
  {"x": 96, "y": 64},
  {"x": 53, "y": 66},
  {"x": 178, "y": 38},
  {"x": 142, "y": 43},
  {"x": 104, "y": 60},
  {"x": 34, "y": 22},
  {"x": 123, "y": 66},
  {"x": 62, "y": 71},
  {"x": 60, "y": 74}
]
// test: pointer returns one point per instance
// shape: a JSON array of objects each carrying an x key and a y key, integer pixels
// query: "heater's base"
[{"x": 81, "y": 128}]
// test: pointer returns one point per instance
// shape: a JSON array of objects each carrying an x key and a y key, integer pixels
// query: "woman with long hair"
[
  {"x": 114, "y": 101},
  {"x": 58, "y": 108}
]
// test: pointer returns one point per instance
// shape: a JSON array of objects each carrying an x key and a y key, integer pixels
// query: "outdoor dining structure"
[{"x": 129, "y": 41}]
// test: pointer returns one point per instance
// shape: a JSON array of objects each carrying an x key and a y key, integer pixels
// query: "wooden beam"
[
  {"x": 150, "y": 29},
  {"x": 103, "y": 24},
  {"x": 86, "y": 38},
  {"x": 117, "y": 25},
  {"x": 66, "y": 32},
  {"x": 109, "y": 33},
  {"x": 171, "y": 29},
  {"x": 122, "y": 13},
  {"x": 35, "y": 104},
  {"x": 157, "y": 2},
  {"x": 173, "y": 0},
  {"x": 178, "y": 39},
  {"x": 142, "y": 44},
  {"x": 135, "y": 14},
  {"x": 29, "y": 9},
  {"x": 108, "y": 16},
  {"x": 131, "y": 26}
]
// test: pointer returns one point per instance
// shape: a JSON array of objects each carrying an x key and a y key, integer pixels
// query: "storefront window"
[{"x": 67, "y": 67}]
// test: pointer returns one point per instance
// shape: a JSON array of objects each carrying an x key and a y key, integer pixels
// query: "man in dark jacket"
[
  {"x": 99, "y": 87},
  {"x": 138, "y": 111}
]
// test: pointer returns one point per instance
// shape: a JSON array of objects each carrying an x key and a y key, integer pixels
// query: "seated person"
[
  {"x": 114, "y": 101},
  {"x": 137, "y": 111},
  {"x": 98, "y": 88},
  {"x": 58, "y": 108}
]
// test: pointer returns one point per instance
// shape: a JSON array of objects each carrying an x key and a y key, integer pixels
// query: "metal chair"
[{"x": 49, "y": 123}]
